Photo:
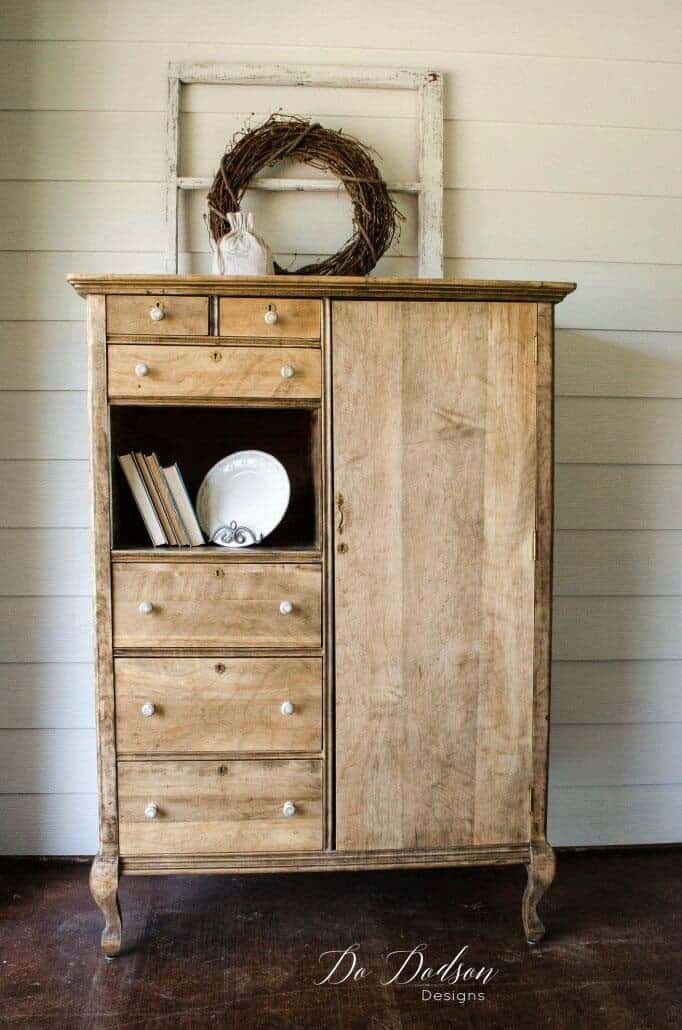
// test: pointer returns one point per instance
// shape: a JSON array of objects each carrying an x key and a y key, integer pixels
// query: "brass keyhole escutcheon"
[
  {"x": 216, "y": 356},
  {"x": 219, "y": 573},
  {"x": 219, "y": 668},
  {"x": 342, "y": 548}
]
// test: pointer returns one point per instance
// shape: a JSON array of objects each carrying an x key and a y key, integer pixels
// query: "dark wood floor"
[{"x": 244, "y": 951}]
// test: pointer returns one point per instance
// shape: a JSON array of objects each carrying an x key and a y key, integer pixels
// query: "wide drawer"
[
  {"x": 269, "y": 373},
  {"x": 273, "y": 318},
  {"x": 198, "y": 705},
  {"x": 175, "y": 316},
  {"x": 216, "y": 606},
  {"x": 215, "y": 807}
]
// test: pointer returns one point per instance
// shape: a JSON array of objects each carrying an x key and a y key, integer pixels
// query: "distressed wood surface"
[
  {"x": 104, "y": 889},
  {"x": 183, "y": 316},
  {"x": 207, "y": 606},
  {"x": 244, "y": 316},
  {"x": 430, "y": 165},
  {"x": 369, "y": 288},
  {"x": 418, "y": 657},
  {"x": 541, "y": 869},
  {"x": 216, "y": 807},
  {"x": 218, "y": 704},
  {"x": 201, "y": 372}
]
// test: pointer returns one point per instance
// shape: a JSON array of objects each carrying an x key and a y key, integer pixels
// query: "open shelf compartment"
[{"x": 198, "y": 437}]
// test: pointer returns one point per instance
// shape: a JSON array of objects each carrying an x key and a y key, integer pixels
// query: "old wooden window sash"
[{"x": 428, "y": 189}]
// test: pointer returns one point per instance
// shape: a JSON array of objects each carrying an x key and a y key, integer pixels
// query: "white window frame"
[{"x": 428, "y": 188}]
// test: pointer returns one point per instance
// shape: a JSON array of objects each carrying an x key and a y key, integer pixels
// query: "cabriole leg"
[
  {"x": 104, "y": 889},
  {"x": 541, "y": 869}
]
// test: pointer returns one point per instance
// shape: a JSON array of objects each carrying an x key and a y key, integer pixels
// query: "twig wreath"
[{"x": 375, "y": 217}]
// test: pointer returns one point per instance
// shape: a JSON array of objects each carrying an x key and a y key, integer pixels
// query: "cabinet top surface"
[{"x": 347, "y": 287}]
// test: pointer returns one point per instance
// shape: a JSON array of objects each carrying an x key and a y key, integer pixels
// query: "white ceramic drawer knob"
[
  {"x": 271, "y": 316},
  {"x": 286, "y": 607},
  {"x": 151, "y": 811},
  {"x": 157, "y": 313},
  {"x": 145, "y": 607},
  {"x": 141, "y": 370},
  {"x": 287, "y": 708},
  {"x": 288, "y": 808},
  {"x": 287, "y": 372},
  {"x": 148, "y": 709}
]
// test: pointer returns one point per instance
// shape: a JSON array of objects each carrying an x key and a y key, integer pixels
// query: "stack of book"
[{"x": 162, "y": 499}]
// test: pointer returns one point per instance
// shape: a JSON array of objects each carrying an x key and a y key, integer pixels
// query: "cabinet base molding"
[{"x": 499, "y": 854}]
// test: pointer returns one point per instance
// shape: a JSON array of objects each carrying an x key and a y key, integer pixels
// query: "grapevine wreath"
[{"x": 375, "y": 216}]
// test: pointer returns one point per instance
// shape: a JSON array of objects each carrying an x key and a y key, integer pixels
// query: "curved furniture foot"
[
  {"x": 541, "y": 871},
  {"x": 104, "y": 890}
]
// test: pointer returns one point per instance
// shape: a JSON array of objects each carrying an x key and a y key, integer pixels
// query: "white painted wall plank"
[
  {"x": 43, "y": 356},
  {"x": 46, "y": 761},
  {"x": 617, "y": 628},
  {"x": 45, "y": 629},
  {"x": 603, "y": 364},
  {"x": 101, "y": 76},
  {"x": 618, "y": 496},
  {"x": 610, "y": 296},
  {"x": 614, "y": 756},
  {"x": 616, "y": 692},
  {"x": 48, "y": 824},
  {"x": 45, "y": 562},
  {"x": 44, "y": 493},
  {"x": 610, "y": 430},
  {"x": 43, "y": 424},
  {"x": 47, "y": 696},
  {"x": 611, "y": 30},
  {"x": 615, "y": 815},
  {"x": 616, "y": 562}
]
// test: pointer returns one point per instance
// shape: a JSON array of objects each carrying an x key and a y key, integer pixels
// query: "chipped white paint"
[{"x": 429, "y": 188}]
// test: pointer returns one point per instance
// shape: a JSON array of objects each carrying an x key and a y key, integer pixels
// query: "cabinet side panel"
[
  {"x": 543, "y": 567},
  {"x": 409, "y": 438},
  {"x": 504, "y": 706},
  {"x": 101, "y": 543}
]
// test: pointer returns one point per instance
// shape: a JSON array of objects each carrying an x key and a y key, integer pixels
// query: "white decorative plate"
[{"x": 243, "y": 498}]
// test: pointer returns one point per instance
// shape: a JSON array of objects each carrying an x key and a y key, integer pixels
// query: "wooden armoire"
[{"x": 369, "y": 687}]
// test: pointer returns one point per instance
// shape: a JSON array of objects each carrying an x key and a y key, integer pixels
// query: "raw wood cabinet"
[{"x": 395, "y": 713}]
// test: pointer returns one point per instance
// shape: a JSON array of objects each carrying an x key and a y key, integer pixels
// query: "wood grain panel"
[
  {"x": 603, "y": 364},
  {"x": 45, "y": 629},
  {"x": 226, "y": 704},
  {"x": 229, "y": 372},
  {"x": 414, "y": 646},
  {"x": 245, "y": 316},
  {"x": 218, "y": 807},
  {"x": 42, "y": 356},
  {"x": 47, "y": 424},
  {"x": 183, "y": 316},
  {"x": 216, "y": 606},
  {"x": 609, "y": 430},
  {"x": 39, "y": 493},
  {"x": 45, "y": 562},
  {"x": 617, "y": 628}
]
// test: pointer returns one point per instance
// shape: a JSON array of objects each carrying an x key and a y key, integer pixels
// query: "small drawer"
[
  {"x": 206, "y": 605},
  {"x": 207, "y": 807},
  {"x": 157, "y": 316},
  {"x": 199, "y": 705},
  {"x": 268, "y": 373},
  {"x": 274, "y": 318}
]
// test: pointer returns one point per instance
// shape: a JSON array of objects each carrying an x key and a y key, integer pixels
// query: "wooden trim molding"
[
  {"x": 321, "y": 286},
  {"x": 499, "y": 854}
]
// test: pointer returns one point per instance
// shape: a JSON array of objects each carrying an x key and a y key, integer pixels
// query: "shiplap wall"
[{"x": 563, "y": 161}]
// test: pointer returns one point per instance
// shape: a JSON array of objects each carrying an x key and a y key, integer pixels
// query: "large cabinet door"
[{"x": 434, "y": 451}]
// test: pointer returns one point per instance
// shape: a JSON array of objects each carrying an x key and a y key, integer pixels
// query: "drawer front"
[
  {"x": 216, "y": 606},
  {"x": 180, "y": 316},
  {"x": 198, "y": 705},
  {"x": 286, "y": 318},
  {"x": 208, "y": 807},
  {"x": 269, "y": 373}
]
